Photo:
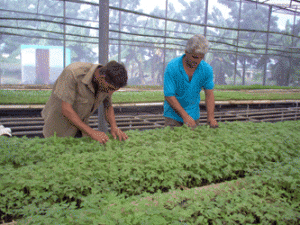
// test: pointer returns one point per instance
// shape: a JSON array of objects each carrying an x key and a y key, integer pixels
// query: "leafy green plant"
[
  {"x": 64, "y": 179},
  {"x": 41, "y": 97}
]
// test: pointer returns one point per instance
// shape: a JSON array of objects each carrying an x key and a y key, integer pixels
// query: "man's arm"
[
  {"x": 210, "y": 107},
  {"x": 111, "y": 119},
  {"x": 179, "y": 110},
  {"x": 176, "y": 106},
  {"x": 69, "y": 112}
]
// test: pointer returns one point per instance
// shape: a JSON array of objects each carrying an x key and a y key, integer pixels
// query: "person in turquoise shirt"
[{"x": 184, "y": 78}]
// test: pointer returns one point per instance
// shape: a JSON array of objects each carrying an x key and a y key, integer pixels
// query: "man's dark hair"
[{"x": 116, "y": 74}]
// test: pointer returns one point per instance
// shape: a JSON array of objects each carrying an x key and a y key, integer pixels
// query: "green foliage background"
[{"x": 238, "y": 41}]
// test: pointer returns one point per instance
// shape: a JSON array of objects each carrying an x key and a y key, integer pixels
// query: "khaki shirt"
[{"x": 74, "y": 86}]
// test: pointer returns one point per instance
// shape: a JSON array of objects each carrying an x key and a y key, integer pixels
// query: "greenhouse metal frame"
[{"x": 243, "y": 49}]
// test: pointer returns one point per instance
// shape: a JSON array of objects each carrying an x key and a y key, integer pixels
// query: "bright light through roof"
[
  {"x": 148, "y": 6},
  {"x": 283, "y": 3}
]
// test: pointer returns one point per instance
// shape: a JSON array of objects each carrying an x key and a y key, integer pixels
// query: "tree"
[
  {"x": 287, "y": 66},
  {"x": 222, "y": 63},
  {"x": 42, "y": 24},
  {"x": 253, "y": 17}
]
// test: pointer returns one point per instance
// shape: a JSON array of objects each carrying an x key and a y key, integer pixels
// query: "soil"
[{"x": 197, "y": 190}]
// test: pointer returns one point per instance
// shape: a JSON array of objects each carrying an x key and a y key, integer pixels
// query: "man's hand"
[
  {"x": 212, "y": 123},
  {"x": 99, "y": 136},
  {"x": 190, "y": 122},
  {"x": 117, "y": 132},
  {"x": 68, "y": 111}
]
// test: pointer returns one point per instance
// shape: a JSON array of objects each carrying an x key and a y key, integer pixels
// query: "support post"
[
  {"x": 291, "y": 56},
  {"x": 165, "y": 38},
  {"x": 103, "y": 53},
  {"x": 294, "y": 27},
  {"x": 237, "y": 42},
  {"x": 120, "y": 28},
  {"x": 205, "y": 18},
  {"x": 267, "y": 46},
  {"x": 64, "y": 28}
]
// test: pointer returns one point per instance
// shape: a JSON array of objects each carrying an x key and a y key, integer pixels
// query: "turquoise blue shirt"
[{"x": 176, "y": 83}]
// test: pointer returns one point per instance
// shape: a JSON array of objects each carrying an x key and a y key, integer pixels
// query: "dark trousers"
[
  {"x": 174, "y": 123},
  {"x": 78, "y": 134}
]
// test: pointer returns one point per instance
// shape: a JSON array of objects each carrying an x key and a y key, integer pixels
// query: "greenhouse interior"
[
  {"x": 148, "y": 145},
  {"x": 251, "y": 41}
]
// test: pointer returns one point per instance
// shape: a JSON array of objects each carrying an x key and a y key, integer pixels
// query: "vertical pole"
[
  {"x": 2, "y": 72},
  {"x": 290, "y": 59},
  {"x": 294, "y": 34},
  {"x": 120, "y": 28},
  {"x": 64, "y": 48},
  {"x": 103, "y": 53},
  {"x": 205, "y": 18},
  {"x": 294, "y": 27},
  {"x": 237, "y": 42},
  {"x": 165, "y": 38},
  {"x": 267, "y": 46}
]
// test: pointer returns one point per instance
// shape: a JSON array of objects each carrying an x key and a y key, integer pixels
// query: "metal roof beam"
[{"x": 267, "y": 2}]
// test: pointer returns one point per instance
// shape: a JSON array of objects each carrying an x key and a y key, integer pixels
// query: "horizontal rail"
[{"x": 33, "y": 127}]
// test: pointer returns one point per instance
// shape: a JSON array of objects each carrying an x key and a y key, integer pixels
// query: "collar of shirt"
[
  {"x": 89, "y": 76},
  {"x": 184, "y": 74}
]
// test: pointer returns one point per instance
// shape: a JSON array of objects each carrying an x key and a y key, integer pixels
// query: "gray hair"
[{"x": 197, "y": 44}]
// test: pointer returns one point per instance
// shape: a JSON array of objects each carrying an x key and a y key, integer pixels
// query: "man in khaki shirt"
[{"x": 77, "y": 93}]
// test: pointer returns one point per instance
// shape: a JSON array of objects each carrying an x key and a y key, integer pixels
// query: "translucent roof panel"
[
  {"x": 191, "y": 11},
  {"x": 290, "y": 6},
  {"x": 45, "y": 7}
]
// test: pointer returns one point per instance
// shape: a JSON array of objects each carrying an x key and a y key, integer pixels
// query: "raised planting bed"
[
  {"x": 152, "y": 87},
  {"x": 8, "y": 97},
  {"x": 79, "y": 181}
]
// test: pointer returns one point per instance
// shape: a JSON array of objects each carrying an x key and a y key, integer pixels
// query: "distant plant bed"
[
  {"x": 138, "y": 181},
  {"x": 145, "y": 87},
  {"x": 218, "y": 87},
  {"x": 158, "y": 87},
  {"x": 41, "y": 97},
  {"x": 251, "y": 87}
]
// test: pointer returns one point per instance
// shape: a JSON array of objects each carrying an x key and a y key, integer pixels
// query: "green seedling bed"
[
  {"x": 9, "y": 97},
  {"x": 240, "y": 173}
]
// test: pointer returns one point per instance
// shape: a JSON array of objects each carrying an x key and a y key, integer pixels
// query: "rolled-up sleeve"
[
  {"x": 65, "y": 88},
  {"x": 169, "y": 83}
]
